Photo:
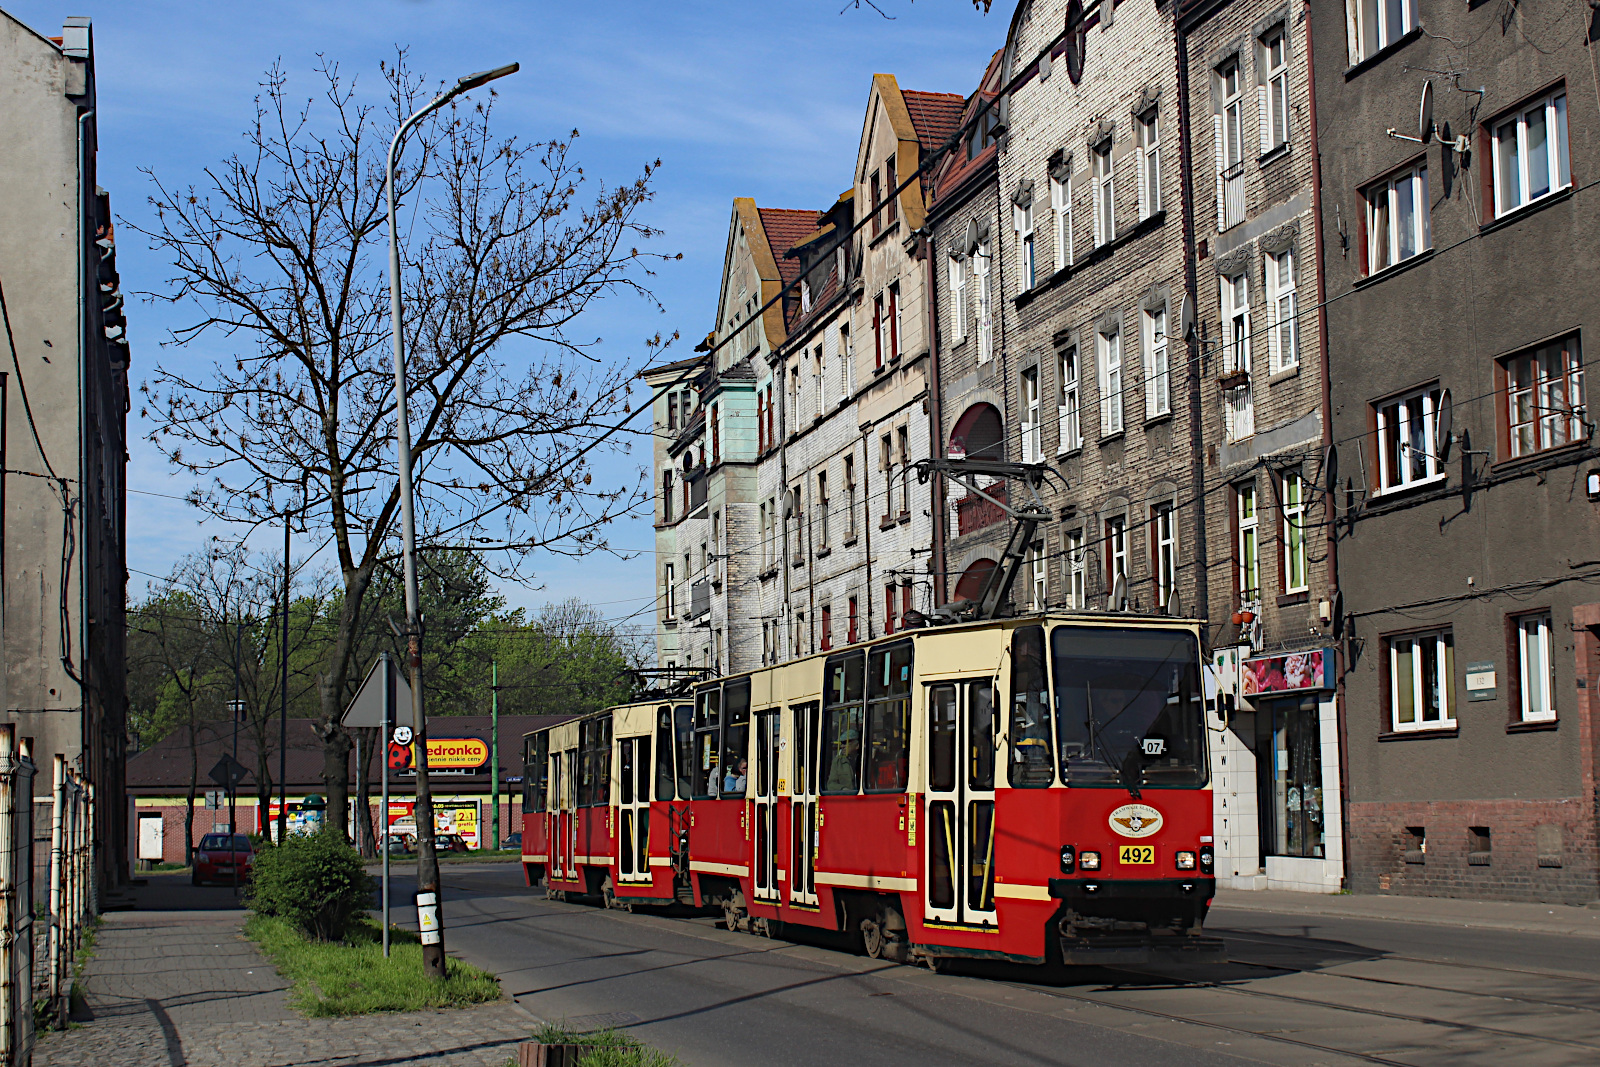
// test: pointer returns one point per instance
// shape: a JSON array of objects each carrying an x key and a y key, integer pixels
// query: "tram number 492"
[{"x": 1144, "y": 854}]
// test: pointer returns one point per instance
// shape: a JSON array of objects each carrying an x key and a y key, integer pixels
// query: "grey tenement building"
[{"x": 65, "y": 355}]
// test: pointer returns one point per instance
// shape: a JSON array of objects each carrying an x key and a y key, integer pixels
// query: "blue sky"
[{"x": 736, "y": 99}]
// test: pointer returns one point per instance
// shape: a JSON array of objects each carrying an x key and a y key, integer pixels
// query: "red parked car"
[{"x": 214, "y": 861}]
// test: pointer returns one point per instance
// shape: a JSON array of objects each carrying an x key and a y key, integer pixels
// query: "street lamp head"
[{"x": 483, "y": 77}]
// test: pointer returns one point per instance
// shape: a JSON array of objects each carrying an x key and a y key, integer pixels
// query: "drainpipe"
[
  {"x": 936, "y": 424},
  {"x": 1197, "y": 459},
  {"x": 1328, "y": 509},
  {"x": 866, "y": 526}
]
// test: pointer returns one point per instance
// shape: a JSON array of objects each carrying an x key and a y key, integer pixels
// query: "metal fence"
[
  {"x": 16, "y": 899},
  {"x": 73, "y": 900}
]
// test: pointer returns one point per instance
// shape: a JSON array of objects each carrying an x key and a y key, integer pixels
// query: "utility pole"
[
  {"x": 494, "y": 750},
  {"x": 283, "y": 697},
  {"x": 428, "y": 923}
]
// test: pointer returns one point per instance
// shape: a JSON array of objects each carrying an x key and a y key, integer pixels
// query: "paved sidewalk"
[
  {"x": 1436, "y": 911},
  {"x": 174, "y": 983}
]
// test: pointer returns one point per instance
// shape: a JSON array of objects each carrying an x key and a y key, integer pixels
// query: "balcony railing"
[{"x": 973, "y": 512}]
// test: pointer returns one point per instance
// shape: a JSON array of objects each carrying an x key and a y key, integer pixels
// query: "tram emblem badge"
[{"x": 1135, "y": 820}]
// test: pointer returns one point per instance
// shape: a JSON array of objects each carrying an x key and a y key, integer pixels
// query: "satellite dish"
[
  {"x": 1172, "y": 605},
  {"x": 1338, "y": 614},
  {"x": 969, "y": 243},
  {"x": 1330, "y": 472},
  {"x": 1441, "y": 432},
  {"x": 1119, "y": 593},
  {"x": 1425, "y": 113},
  {"x": 1186, "y": 318}
]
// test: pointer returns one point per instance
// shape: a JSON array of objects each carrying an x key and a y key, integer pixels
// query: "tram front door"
[
  {"x": 803, "y": 769},
  {"x": 959, "y": 880},
  {"x": 766, "y": 836}
]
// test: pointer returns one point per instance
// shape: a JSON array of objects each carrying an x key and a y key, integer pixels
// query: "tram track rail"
[{"x": 1422, "y": 985}]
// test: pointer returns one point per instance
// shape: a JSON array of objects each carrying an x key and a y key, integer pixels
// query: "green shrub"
[{"x": 315, "y": 881}]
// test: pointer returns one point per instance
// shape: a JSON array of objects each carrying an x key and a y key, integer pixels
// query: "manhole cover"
[{"x": 585, "y": 1023}]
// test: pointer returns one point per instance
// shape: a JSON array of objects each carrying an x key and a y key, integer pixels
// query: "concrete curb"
[{"x": 1562, "y": 920}]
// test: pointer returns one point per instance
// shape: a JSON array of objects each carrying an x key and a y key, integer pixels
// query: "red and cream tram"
[{"x": 1016, "y": 789}]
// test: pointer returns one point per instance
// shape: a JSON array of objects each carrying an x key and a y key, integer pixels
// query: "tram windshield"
[{"x": 1128, "y": 707}]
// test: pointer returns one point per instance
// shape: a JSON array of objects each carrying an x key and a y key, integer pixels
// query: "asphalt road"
[{"x": 1299, "y": 990}]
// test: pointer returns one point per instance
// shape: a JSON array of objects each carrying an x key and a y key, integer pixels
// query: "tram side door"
[
  {"x": 569, "y": 812},
  {"x": 959, "y": 822},
  {"x": 807, "y": 741},
  {"x": 555, "y": 835},
  {"x": 633, "y": 813},
  {"x": 767, "y": 835}
]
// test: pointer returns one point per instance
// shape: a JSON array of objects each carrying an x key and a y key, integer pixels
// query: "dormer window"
[
  {"x": 891, "y": 183},
  {"x": 877, "y": 203},
  {"x": 805, "y": 296}
]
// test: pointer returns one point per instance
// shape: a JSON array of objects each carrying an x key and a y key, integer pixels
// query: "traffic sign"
[
  {"x": 228, "y": 772},
  {"x": 366, "y": 710}
]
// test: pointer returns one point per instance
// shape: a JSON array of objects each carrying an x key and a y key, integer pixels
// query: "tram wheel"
[{"x": 872, "y": 938}]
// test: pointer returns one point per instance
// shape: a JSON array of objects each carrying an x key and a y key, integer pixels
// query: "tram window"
[
  {"x": 625, "y": 771},
  {"x": 683, "y": 744},
  {"x": 841, "y": 723},
  {"x": 535, "y": 761},
  {"x": 1128, "y": 707},
  {"x": 707, "y": 731},
  {"x": 642, "y": 769},
  {"x": 889, "y": 719},
  {"x": 941, "y": 864},
  {"x": 594, "y": 762},
  {"x": 1030, "y": 763},
  {"x": 980, "y": 736},
  {"x": 735, "y": 737},
  {"x": 942, "y": 739},
  {"x": 665, "y": 786}
]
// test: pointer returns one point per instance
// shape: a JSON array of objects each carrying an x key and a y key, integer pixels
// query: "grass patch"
[
  {"x": 611, "y": 1047},
  {"x": 352, "y": 978}
]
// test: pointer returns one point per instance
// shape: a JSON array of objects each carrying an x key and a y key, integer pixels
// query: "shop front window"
[{"x": 1289, "y": 773}]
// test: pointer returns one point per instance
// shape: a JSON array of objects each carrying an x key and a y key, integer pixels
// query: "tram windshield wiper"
[{"x": 1130, "y": 781}]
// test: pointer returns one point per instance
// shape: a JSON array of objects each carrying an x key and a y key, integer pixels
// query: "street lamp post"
[{"x": 428, "y": 923}]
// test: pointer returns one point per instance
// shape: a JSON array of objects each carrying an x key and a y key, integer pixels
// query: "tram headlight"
[
  {"x": 1185, "y": 861},
  {"x": 1069, "y": 859},
  {"x": 1089, "y": 861},
  {"x": 1207, "y": 858}
]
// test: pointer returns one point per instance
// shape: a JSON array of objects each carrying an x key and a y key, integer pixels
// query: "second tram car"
[{"x": 1024, "y": 789}]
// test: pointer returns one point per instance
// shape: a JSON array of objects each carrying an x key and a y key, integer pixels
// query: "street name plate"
[{"x": 1480, "y": 681}]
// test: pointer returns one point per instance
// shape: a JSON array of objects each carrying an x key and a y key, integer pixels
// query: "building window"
[
  {"x": 716, "y": 435},
  {"x": 903, "y": 436},
  {"x": 1164, "y": 540},
  {"x": 905, "y": 603},
  {"x": 1105, "y": 214},
  {"x": 666, "y": 496},
  {"x": 1530, "y": 154},
  {"x": 891, "y": 182},
  {"x": 980, "y": 270},
  {"x": 1032, "y": 448},
  {"x": 880, "y": 329},
  {"x": 805, "y": 295},
  {"x": 1228, "y": 134},
  {"x": 827, "y": 627},
  {"x": 794, "y": 401},
  {"x": 1274, "y": 90},
  {"x": 1116, "y": 554},
  {"x": 1407, "y": 452},
  {"x": 888, "y": 609},
  {"x": 1282, "y": 304},
  {"x": 761, "y": 422},
  {"x": 1293, "y": 488},
  {"x": 847, "y": 364},
  {"x": 799, "y": 634},
  {"x": 1544, "y": 405},
  {"x": 797, "y": 553},
  {"x": 819, "y": 382},
  {"x": 1238, "y": 397},
  {"x": 669, "y": 595},
  {"x": 1536, "y": 672},
  {"x": 852, "y": 634},
  {"x": 672, "y": 410},
  {"x": 1422, "y": 669},
  {"x": 1068, "y": 424},
  {"x": 1076, "y": 577},
  {"x": 1022, "y": 220},
  {"x": 1149, "y": 165},
  {"x": 1037, "y": 586},
  {"x": 1377, "y": 24},
  {"x": 894, "y": 321},
  {"x": 1110, "y": 383},
  {"x": 886, "y": 465},
  {"x": 849, "y": 498},
  {"x": 1061, "y": 212},
  {"x": 1157, "y": 381},
  {"x": 1248, "y": 548},
  {"x": 876, "y": 182},
  {"x": 772, "y": 415},
  {"x": 1398, "y": 226},
  {"x": 822, "y": 510},
  {"x": 958, "y": 299}
]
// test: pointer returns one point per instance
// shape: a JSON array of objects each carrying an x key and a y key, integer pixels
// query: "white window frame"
[
  {"x": 1105, "y": 203},
  {"x": 1157, "y": 373},
  {"x": 1061, "y": 211},
  {"x": 1239, "y": 403},
  {"x": 670, "y": 597},
  {"x": 1038, "y": 584},
  {"x": 1116, "y": 554},
  {"x": 1022, "y": 222},
  {"x": 1385, "y": 232},
  {"x": 1247, "y": 517},
  {"x": 1274, "y": 89},
  {"x": 958, "y": 299},
  {"x": 1165, "y": 531},
  {"x": 1372, "y": 25},
  {"x": 850, "y": 498},
  {"x": 1149, "y": 156},
  {"x": 1032, "y": 431},
  {"x": 1069, "y": 409},
  {"x": 1283, "y": 305},
  {"x": 847, "y": 370},
  {"x": 1076, "y": 579},
  {"x": 985, "y": 324},
  {"x": 1512, "y": 158},
  {"x": 1296, "y": 576},
  {"x": 1442, "y": 643},
  {"x": 1396, "y": 419},
  {"x": 1110, "y": 366},
  {"x": 822, "y": 510},
  {"x": 1536, "y": 662},
  {"x": 1553, "y": 404},
  {"x": 819, "y": 380}
]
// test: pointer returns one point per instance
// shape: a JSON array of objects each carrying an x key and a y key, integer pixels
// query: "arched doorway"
[
  {"x": 979, "y": 434},
  {"x": 972, "y": 579}
]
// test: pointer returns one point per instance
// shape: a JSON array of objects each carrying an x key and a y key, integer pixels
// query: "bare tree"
[{"x": 281, "y": 250}]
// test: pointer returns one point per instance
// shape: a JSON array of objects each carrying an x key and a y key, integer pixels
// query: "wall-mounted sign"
[
  {"x": 1291, "y": 673},
  {"x": 1480, "y": 680}
]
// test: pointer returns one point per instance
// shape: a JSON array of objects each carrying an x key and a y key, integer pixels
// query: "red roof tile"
[
  {"x": 784, "y": 227},
  {"x": 935, "y": 116}
]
